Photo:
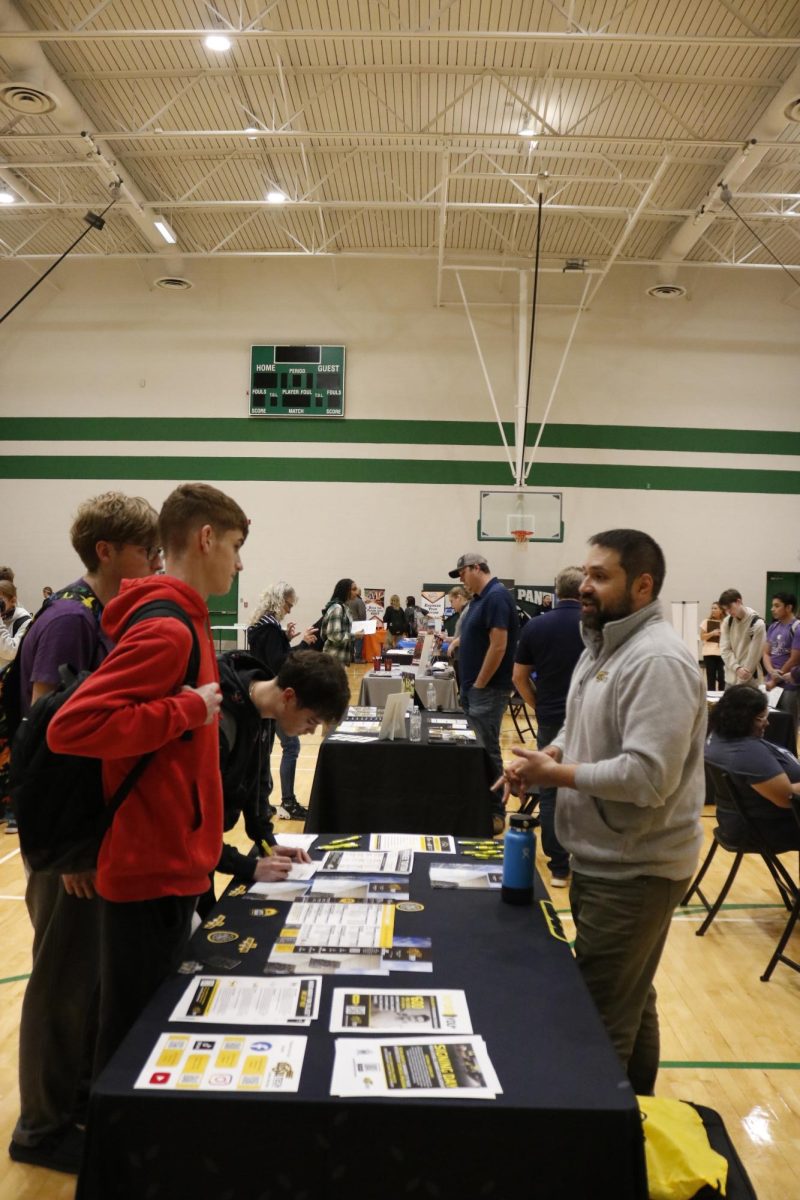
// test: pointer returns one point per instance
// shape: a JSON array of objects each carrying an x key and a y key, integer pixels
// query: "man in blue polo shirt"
[
  {"x": 551, "y": 645},
  {"x": 486, "y": 658}
]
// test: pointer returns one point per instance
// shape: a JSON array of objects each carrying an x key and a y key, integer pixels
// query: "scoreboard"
[{"x": 297, "y": 381}]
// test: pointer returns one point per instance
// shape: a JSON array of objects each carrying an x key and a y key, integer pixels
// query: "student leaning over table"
[{"x": 628, "y": 765}]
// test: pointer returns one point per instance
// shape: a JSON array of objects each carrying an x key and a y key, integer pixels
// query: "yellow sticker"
[
  {"x": 216, "y": 922},
  {"x": 247, "y": 945},
  {"x": 410, "y": 906},
  {"x": 223, "y": 935}
]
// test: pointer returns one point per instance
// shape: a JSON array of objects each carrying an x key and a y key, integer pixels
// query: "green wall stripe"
[
  {"x": 364, "y": 470},
  {"x": 429, "y": 433}
]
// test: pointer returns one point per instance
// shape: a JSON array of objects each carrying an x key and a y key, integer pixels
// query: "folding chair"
[
  {"x": 517, "y": 707},
  {"x": 724, "y": 788}
]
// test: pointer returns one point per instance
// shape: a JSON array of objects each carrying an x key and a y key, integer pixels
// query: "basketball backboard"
[{"x": 504, "y": 510}]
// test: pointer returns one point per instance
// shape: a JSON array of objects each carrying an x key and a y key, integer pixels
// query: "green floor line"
[
  {"x": 15, "y": 978},
  {"x": 734, "y": 1066}
]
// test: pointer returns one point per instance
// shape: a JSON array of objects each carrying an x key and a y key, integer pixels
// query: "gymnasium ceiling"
[{"x": 393, "y": 129}]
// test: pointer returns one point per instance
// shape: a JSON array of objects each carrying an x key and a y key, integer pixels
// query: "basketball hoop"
[{"x": 522, "y": 537}]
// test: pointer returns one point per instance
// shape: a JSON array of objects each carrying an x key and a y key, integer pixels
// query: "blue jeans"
[
  {"x": 557, "y": 856},
  {"x": 485, "y": 707},
  {"x": 288, "y": 768}
]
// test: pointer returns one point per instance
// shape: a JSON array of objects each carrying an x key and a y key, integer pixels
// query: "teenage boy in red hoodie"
[{"x": 165, "y": 839}]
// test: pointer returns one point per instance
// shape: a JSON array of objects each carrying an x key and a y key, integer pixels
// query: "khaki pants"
[{"x": 621, "y": 927}]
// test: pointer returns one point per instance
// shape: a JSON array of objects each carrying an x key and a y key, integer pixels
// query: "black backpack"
[{"x": 58, "y": 798}]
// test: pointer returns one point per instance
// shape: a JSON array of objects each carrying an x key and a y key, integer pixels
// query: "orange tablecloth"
[{"x": 372, "y": 644}]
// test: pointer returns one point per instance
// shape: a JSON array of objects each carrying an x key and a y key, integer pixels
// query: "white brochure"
[
  {"x": 246, "y": 1000},
  {"x": 224, "y": 1062},
  {"x": 448, "y": 1066},
  {"x": 399, "y": 1010}
]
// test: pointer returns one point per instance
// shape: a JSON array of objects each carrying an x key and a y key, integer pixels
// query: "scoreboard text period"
[{"x": 297, "y": 381}]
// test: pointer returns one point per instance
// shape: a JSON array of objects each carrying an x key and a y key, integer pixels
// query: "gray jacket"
[{"x": 636, "y": 723}]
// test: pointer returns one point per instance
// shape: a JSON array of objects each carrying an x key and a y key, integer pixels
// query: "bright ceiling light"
[
  {"x": 528, "y": 133},
  {"x": 277, "y": 197},
  {"x": 7, "y": 197},
  {"x": 251, "y": 131},
  {"x": 165, "y": 229},
  {"x": 217, "y": 42}
]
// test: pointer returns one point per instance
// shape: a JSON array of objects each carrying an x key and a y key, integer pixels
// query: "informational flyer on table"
[
  {"x": 395, "y": 1010},
  {"x": 470, "y": 876},
  {"x": 452, "y": 1067},
  {"x": 224, "y": 1062},
  {"x": 250, "y": 1001},
  {"x": 366, "y": 862},
  {"x": 423, "y": 843},
  {"x": 320, "y": 928}
]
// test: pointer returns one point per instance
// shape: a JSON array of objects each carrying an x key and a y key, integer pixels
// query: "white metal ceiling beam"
[
  {"x": 478, "y": 36},
  {"x": 373, "y": 140},
  {"x": 413, "y": 255},
  {"x": 615, "y": 211},
  {"x": 308, "y": 71}
]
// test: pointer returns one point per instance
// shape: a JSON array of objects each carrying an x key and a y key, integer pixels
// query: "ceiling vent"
[
  {"x": 792, "y": 110},
  {"x": 26, "y": 99},
  {"x": 173, "y": 283},
  {"x": 666, "y": 291}
]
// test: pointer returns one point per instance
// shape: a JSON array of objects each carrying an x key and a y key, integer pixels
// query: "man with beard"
[{"x": 628, "y": 764}]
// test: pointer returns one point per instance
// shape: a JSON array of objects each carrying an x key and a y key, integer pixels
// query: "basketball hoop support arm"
[{"x": 487, "y": 380}]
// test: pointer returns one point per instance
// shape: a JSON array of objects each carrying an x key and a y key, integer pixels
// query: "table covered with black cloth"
[
  {"x": 565, "y": 1125},
  {"x": 402, "y": 786}
]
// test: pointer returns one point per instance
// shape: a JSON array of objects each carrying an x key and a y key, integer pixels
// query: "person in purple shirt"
[
  {"x": 781, "y": 657},
  {"x": 551, "y": 645},
  {"x": 116, "y": 538}
]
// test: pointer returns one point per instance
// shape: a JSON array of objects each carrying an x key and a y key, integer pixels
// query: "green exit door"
[{"x": 223, "y": 612}]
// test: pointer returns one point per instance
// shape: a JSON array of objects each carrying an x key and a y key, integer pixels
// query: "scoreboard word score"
[{"x": 297, "y": 381}]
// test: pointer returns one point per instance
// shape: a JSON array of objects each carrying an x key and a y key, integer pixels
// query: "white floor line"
[
  {"x": 12, "y": 897},
  {"x": 11, "y": 855}
]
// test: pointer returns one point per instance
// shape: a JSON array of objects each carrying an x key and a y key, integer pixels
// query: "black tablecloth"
[
  {"x": 402, "y": 787},
  {"x": 566, "y": 1124}
]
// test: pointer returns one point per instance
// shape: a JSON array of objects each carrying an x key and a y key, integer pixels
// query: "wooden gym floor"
[{"x": 728, "y": 1040}]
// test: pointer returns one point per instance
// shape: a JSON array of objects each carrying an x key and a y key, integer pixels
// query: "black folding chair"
[
  {"x": 517, "y": 707},
  {"x": 727, "y": 798}
]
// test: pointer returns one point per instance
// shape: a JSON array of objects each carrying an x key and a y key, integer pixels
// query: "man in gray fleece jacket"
[{"x": 628, "y": 764}]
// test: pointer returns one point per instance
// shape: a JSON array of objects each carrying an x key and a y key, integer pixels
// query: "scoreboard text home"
[{"x": 297, "y": 381}]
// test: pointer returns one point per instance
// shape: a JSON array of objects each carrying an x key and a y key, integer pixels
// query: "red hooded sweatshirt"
[{"x": 167, "y": 835}]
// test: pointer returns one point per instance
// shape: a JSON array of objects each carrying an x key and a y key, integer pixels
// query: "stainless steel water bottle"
[{"x": 519, "y": 854}]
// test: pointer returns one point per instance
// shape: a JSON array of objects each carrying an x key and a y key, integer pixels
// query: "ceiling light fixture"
[
  {"x": 276, "y": 197},
  {"x": 7, "y": 197},
  {"x": 527, "y": 133},
  {"x": 251, "y": 130},
  {"x": 217, "y": 42},
  {"x": 165, "y": 229}
]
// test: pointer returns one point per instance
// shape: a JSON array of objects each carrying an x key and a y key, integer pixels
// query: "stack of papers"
[
  {"x": 366, "y": 862},
  {"x": 384, "y": 1010},
  {"x": 224, "y": 1062},
  {"x": 455, "y": 1067},
  {"x": 250, "y": 1001},
  {"x": 423, "y": 843},
  {"x": 464, "y": 875}
]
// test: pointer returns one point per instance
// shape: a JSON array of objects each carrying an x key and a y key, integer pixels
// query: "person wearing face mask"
[
  {"x": 272, "y": 644},
  {"x": 628, "y": 765}
]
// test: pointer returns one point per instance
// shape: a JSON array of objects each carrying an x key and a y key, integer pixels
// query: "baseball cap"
[{"x": 468, "y": 560}]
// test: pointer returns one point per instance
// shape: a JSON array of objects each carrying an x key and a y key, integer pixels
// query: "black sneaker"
[
  {"x": 58, "y": 1151},
  {"x": 291, "y": 809}
]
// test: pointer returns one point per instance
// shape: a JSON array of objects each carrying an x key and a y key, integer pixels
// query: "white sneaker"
[{"x": 559, "y": 881}]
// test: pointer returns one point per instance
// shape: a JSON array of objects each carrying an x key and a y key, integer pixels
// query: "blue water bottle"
[{"x": 519, "y": 854}]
